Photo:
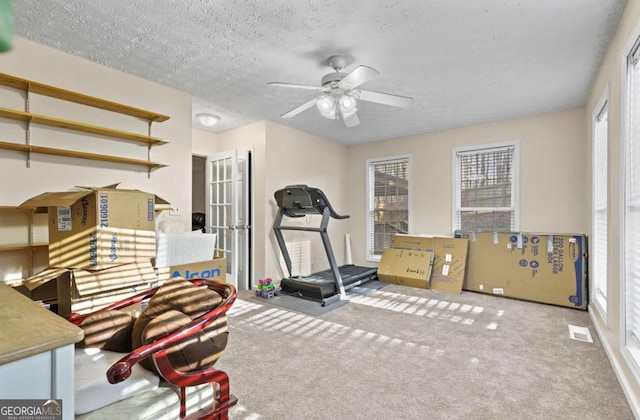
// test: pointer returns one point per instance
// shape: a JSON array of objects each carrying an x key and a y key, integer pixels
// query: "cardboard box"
[
  {"x": 207, "y": 263},
  {"x": 450, "y": 259},
  {"x": 97, "y": 228},
  {"x": 215, "y": 269},
  {"x": 406, "y": 267},
  {"x": 92, "y": 303},
  {"x": 184, "y": 248},
  {"x": 69, "y": 287},
  {"x": 545, "y": 268}
]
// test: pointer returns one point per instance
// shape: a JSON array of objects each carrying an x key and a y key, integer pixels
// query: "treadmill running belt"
[{"x": 321, "y": 285}]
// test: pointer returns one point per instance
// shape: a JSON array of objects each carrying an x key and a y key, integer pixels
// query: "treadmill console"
[
  {"x": 300, "y": 200},
  {"x": 296, "y": 201}
]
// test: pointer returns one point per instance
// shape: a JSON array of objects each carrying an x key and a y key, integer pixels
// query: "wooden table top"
[{"x": 27, "y": 329}]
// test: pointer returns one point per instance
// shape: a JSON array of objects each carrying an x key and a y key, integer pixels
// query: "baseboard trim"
[{"x": 634, "y": 404}]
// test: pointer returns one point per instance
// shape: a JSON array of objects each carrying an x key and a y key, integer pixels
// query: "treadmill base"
[{"x": 321, "y": 286}]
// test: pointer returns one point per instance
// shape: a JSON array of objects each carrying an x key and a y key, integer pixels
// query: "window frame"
[
  {"x": 369, "y": 246},
  {"x": 600, "y": 302},
  {"x": 457, "y": 182},
  {"x": 631, "y": 354}
]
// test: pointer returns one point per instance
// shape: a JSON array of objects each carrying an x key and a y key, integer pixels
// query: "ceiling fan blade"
[
  {"x": 291, "y": 85},
  {"x": 358, "y": 76},
  {"x": 303, "y": 107},
  {"x": 384, "y": 98},
  {"x": 352, "y": 120}
]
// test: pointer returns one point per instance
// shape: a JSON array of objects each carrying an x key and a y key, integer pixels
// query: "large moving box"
[
  {"x": 78, "y": 290},
  {"x": 406, "y": 267},
  {"x": 449, "y": 260},
  {"x": 97, "y": 228},
  {"x": 542, "y": 268}
]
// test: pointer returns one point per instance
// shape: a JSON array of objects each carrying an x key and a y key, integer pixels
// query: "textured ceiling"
[{"x": 464, "y": 62}]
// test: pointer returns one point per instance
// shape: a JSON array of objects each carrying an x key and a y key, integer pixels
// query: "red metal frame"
[{"x": 121, "y": 370}]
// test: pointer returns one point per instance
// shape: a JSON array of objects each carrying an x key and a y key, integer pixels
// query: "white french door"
[{"x": 228, "y": 211}]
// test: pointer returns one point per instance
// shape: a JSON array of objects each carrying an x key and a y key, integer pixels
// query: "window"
[
  {"x": 388, "y": 198},
  {"x": 600, "y": 206},
  {"x": 630, "y": 226},
  {"x": 485, "y": 188}
]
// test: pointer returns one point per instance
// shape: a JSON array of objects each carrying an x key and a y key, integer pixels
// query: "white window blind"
[
  {"x": 485, "y": 189},
  {"x": 388, "y": 202},
  {"x": 632, "y": 205},
  {"x": 300, "y": 257},
  {"x": 600, "y": 207}
]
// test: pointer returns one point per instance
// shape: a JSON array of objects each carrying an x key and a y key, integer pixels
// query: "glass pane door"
[{"x": 228, "y": 216}]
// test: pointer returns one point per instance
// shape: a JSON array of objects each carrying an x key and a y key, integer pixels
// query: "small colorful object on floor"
[{"x": 266, "y": 288}]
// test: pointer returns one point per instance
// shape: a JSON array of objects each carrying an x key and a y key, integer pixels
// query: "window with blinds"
[
  {"x": 388, "y": 193},
  {"x": 631, "y": 228},
  {"x": 485, "y": 188},
  {"x": 599, "y": 235}
]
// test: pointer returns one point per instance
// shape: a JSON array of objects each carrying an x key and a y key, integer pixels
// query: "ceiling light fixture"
[
  {"x": 347, "y": 105},
  {"x": 208, "y": 120},
  {"x": 327, "y": 106}
]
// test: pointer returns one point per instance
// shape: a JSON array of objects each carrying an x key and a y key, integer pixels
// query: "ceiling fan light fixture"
[
  {"x": 347, "y": 106},
  {"x": 325, "y": 103},
  {"x": 327, "y": 106},
  {"x": 347, "y": 103},
  {"x": 208, "y": 120}
]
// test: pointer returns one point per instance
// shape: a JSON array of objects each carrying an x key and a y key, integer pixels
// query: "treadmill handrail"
[{"x": 301, "y": 200}]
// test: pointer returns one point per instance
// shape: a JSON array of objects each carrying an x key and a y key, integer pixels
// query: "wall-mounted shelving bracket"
[
  {"x": 27, "y": 105},
  {"x": 27, "y": 116}
]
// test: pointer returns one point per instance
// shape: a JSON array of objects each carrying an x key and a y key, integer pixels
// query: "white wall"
[
  {"x": 46, "y": 65},
  {"x": 553, "y": 170},
  {"x": 610, "y": 331},
  {"x": 203, "y": 142}
]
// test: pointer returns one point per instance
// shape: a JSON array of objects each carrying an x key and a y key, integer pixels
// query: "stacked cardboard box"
[
  {"x": 98, "y": 228},
  {"x": 101, "y": 242},
  {"x": 545, "y": 268},
  {"x": 189, "y": 255},
  {"x": 437, "y": 263},
  {"x": 81, "y": 291},
  {"x": 406, "y": 267}
]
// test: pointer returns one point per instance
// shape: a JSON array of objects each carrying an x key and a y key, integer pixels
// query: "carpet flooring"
[{"x": 407, "y": 353}]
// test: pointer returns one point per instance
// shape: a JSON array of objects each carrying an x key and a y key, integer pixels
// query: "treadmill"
[{"x": 327, "y": 286}]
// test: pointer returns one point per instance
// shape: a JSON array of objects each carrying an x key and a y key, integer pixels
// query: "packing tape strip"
[
  {"x": 495, "y": 238},
  {"x": 519, "y": 240},
  {"x": 550, "y": 244}
]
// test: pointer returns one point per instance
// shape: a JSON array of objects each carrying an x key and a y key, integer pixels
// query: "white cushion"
[
  {"x": 93, "y": 391},
  {"x": 160, "y": 404}
]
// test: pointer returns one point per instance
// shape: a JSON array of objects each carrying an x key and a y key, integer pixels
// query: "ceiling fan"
[{"x": 340, "y": 94}]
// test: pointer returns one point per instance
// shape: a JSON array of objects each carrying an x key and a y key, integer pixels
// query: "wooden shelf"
[
  {"x": 4, "y": 248},
  {"x": 24, "y": 246},
  {"x": 77, "y": 126},
  {"x": 67, "y": 95},
  {"x": 16, "y": 208},
  {"x": 76, "y": 154}
]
